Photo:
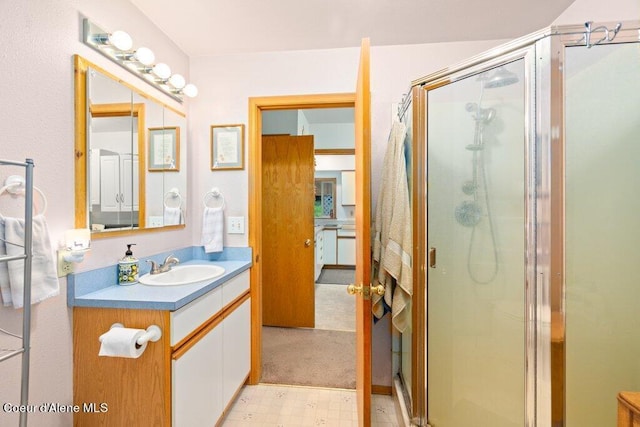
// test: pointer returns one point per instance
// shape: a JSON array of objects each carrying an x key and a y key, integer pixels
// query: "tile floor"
[{"x": 292, "y": 406}]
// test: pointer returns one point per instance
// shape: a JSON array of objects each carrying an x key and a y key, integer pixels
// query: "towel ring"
[
  {"x": 172, "y": 195},
  {"x": 14, "y": 185},
  {"x": 212, "y": 195}
]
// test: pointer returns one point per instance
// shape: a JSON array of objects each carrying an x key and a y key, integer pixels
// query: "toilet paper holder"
[{"x": 153, "y": 334}]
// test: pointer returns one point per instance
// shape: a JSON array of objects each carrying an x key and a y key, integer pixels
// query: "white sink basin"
[{"x": 182, "y": 275}]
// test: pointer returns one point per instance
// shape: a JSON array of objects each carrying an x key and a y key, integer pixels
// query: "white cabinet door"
[
  {"x": 119, "y": 183},
  {"x": 319, "y": 254},
  {"x": 110, "y": 183},
  {"x": 347, "y": 251},
  {"x": 319, "y": 248},
  {"x": 330, "y": 247},
  {"x": 197, "y": 394},
  {"x": 348, "y": 187},
  {"x": 129, "y": 182},
  {"x": 236, "y": 342},
  {"x": 94, "y": 176}
]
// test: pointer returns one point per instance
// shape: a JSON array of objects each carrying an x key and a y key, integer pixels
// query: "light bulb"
[
  {"x": 144, "y": 55},
  {"x": 162, "y": 70},
  {"x": 177, "y": 81},
  {"x": 190, "y": 90},
  {"x": 120, "y": 40}
]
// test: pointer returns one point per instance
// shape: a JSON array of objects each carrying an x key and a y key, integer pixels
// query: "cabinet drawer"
[
  {"x": 235, "y": 287},
  {"x": 194, "y": 314}
]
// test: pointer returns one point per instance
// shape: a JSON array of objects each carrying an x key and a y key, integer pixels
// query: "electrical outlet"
[
  {"x": 64, "y": 267},
  {"x": 235, "y": 225}
]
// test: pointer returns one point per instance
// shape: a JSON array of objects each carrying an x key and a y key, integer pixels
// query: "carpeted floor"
[
  {"x": 337, "y": 276},
  {"x": 335, "y": 308},
  {"x": 309, "y": 357}
]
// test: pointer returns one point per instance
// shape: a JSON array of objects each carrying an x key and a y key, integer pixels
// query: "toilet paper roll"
[{"x": 122, "y": 342}]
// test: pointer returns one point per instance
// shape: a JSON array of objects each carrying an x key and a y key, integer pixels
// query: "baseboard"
[
  {"x": 381, "y": 389},
  {"x": 339, "y": 267}
]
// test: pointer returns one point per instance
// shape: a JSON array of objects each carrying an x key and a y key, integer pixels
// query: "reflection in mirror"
[
  {"x": 175, "y": 128},
  {"x": 325, "y": 198},
  {"x": 121, "y": 186}
]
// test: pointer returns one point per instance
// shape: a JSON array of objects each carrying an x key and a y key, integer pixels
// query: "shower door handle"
[{"x": 432, "y": 257}]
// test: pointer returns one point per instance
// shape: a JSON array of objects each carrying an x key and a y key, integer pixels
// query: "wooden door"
[
  {"x": 288, "y": 293},
  {"x": 363, "y": 237}
]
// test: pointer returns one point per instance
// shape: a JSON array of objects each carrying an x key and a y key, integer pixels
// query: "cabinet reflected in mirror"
[{"x": 120, "y": 187}]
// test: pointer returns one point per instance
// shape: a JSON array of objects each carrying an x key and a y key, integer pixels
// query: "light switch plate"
[
  {"x": 235, "y": 225},
  {"x": 155, "y": 221}
]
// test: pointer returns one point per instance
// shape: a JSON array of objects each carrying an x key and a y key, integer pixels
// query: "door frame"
[{"x": 256, "y": 106}]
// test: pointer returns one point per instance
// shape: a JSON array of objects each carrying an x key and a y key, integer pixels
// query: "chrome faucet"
[{"x": 165, "y": 266}]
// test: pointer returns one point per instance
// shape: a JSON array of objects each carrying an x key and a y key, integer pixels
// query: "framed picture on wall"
[
  {"x": 227, "y": 147},
  {"x": 164, "y": 149}
]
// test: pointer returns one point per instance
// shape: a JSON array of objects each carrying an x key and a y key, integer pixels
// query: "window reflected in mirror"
[{"x": 325, "y": 198}]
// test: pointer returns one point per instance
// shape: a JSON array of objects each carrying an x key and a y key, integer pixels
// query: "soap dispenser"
[{"x": 128, "y": 268}]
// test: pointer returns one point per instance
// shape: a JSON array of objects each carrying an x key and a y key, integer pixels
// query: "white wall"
[
  {"x": 582, "y": 11},
  {"x": 39, "y": 39},
  {"x": 332, "y": 135},
  {"x": 227, "y": 82}
]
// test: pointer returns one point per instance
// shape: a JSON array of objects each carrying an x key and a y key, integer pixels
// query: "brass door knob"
[
  {"x": 307, "y": 243},
  {"x": 354, "y": 289},
  {"x": 377, "y": 290}
]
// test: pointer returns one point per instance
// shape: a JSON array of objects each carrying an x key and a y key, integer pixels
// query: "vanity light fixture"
[
  {"x": 118, "y": 39},
  {"x": 162, "y": 71},
  {"x": 142, "y": 55},
  {"x": 118, "y": 46},
  {"x": 177, "y": 81}
]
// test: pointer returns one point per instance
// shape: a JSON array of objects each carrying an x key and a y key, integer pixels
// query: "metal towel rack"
[{"x": 26, "y": 256}]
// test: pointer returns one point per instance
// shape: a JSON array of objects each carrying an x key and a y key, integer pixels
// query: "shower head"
[
  {"x": 502, "y": 77},
  {"x": 480, "y": 114}
]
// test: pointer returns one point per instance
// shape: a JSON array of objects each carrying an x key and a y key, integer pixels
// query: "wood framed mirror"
[{"x": 115, "y": 192}]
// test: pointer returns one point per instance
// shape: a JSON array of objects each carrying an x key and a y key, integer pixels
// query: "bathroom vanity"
[{"x": 187, "y": 378}]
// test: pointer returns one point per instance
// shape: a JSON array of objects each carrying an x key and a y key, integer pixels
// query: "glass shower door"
[
  {"x": 476, "y": 238},
  {"x": 602, "y": 202}
]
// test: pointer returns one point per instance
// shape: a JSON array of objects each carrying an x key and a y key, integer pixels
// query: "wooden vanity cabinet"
[{"x": 188, "y": 378}]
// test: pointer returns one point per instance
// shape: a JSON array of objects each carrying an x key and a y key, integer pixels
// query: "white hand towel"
[
  {"x": 5, "y": 289},
  {"x": 44, "y": 280},
  {"x": 212, "y": 229},
  {"x": 172, "y": 216}
]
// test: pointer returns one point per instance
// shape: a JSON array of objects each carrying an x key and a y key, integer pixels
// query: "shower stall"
[{"x": 526, "y": 190}]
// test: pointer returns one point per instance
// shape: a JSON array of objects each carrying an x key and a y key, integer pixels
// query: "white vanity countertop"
[
  {"x": 139, "y": 296},
  {"x": 335, "y": 224}
]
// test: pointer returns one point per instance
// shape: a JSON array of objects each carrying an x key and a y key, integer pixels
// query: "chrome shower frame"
[{"x": 543, "y": 53}]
